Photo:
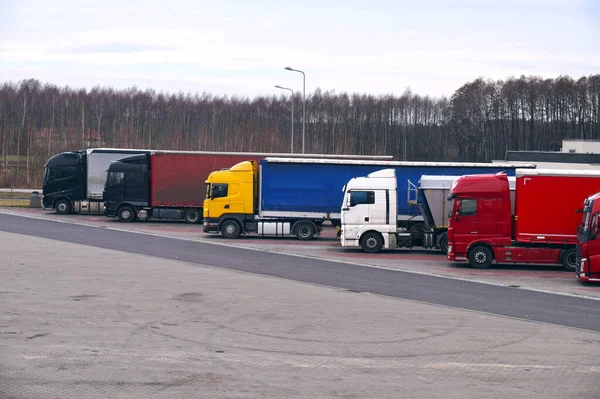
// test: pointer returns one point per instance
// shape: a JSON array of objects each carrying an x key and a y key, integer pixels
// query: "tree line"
[{"x": 479, "y": 122}]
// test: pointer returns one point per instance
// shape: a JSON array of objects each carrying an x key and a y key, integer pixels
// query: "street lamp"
[
  {"x": 292, "y": 99},
  {"x": 303, "y": 102}
]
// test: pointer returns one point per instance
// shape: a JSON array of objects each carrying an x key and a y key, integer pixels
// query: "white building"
[{"x": 581, "y": 146}]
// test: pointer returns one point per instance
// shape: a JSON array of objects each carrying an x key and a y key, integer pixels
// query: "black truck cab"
[
  {"x": 64, "y": 181},
  {"x": 127, "y": 187}
]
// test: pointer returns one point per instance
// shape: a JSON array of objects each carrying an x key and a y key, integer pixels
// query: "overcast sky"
[{"x": 241, "y": 47}]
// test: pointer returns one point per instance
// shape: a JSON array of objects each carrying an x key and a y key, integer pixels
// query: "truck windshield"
[
  {"x": 60, "y": 173},
  {"x": 584, "y": 232},
  {"x": 585, "y": 222}
]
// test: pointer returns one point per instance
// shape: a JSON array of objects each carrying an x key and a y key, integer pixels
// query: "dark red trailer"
[
  {"x": 178, "y": 179},
  {"x": 171, "y": 184}
]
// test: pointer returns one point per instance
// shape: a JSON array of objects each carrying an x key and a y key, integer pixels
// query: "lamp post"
[
  {"x": 303, "y": 102},
  {"x": 292, "y": 99}
]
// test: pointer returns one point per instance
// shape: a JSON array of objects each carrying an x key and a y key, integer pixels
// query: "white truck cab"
[{"x": 370, "y": 211}]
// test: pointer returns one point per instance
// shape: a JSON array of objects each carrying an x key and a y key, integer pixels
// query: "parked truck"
[
  {"x": 370, "y": 212},
  {"x": 539, "y": 227},
  {"x": 588, "y": 241},
  {"x": 171, "y": 184},
  {"x": 285, "y": 196},
  {"x": 74, "y": 181}
]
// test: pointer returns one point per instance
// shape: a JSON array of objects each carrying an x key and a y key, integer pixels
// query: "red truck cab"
[
  {"x": 481, "y": 217},
  {"x": 588, "y": 245}
]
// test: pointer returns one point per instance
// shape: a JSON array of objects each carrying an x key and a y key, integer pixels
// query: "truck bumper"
[
  {"x": 110, "y": 209},
  {"x": 210, "y": 225},
  {"x": 46, "y": 202},
  {"x": 349, "y": 242},
  {"x": 453, "y": 255},
  {"x": 583, "y": 264}
]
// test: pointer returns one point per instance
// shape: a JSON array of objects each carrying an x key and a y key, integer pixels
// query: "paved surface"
[
  {"x": 544, "y": 278},
  {"x": 550, "y": 308},
  {"x": 83, "y": 322}
]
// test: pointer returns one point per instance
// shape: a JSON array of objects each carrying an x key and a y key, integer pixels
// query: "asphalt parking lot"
[
  {"x": 547, "y": 278},
  {"x": 85, "y": 322}
]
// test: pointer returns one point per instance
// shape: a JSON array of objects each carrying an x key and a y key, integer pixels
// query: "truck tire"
[
  {"x": 126, "y": 214},
  {"x": 444, "y": 244},
  {"x": 192, "y": 216},
  {"x": 63, "y": 207},
  {"x": 371, "y": 242},
  {"x": 480, "y": 257},
  {"x": 569, "y": 260},
  {"x": 230, "y": 229},
  {"x": 304, "y": 231}
]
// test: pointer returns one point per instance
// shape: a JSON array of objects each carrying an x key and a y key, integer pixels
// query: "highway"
[{"x": 505, "y": 301}]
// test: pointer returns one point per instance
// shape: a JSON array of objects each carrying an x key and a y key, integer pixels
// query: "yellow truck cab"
[{"x": 230, "y": 192}]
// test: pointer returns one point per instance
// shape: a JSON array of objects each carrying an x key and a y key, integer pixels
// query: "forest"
[{"x": 479, "y": 122}]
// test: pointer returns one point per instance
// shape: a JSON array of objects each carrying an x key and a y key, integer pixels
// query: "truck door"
[
  {"x": 356, "y": 212},
  {"x": 465, "y": 223},
  {"x": 219, "y": 200}
]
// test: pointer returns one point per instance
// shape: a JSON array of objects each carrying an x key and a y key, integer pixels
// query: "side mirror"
[{"x": 348, "y": 199}]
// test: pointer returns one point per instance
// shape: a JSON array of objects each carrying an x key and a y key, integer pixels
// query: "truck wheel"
[
  {"x": 305, "y": 231},
  {"x": 480, "y": 257},
  {"x": 569, "y": 260},
  {"x": 444, "y": 244},
  {"x": 371, "y": 242},
  {"x": 192, "y": 216},
  {"x": 230, "y": 229},
  {"x": 63, "y": 207},
  {"x": 126, "y": 214}
]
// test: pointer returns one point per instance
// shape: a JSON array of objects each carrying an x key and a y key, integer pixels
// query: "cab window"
[
  {"x": 60, "y": 173},
  {"x": 362, "y": 197},
  {"x": 468, "y": 207},
  {"x": 219, "y": 190},
  {"x": 115, "y": 179}
]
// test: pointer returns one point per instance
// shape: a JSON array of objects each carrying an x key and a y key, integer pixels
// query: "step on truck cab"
[
  {"x": 539, "y": 226},
  {"x": 588, "y": 241}
]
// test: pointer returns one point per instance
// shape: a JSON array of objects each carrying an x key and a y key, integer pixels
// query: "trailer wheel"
[
  {"x": 126, "y": 214},
  {"x": 230, "y": 229},
  {"x": 569, "y": 260},
  {"x": 192, "y": 216},
  {"x": 480, "y": 257},
  {"x": 63, "y": 207},
  {"x": 371, "y": 242},
  {"x": 444, "y": 244},
  {"x": 305, "y": 231}
]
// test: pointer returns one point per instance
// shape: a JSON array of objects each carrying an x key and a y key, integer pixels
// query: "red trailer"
[
  {"x": 543, "y": 228},
  {"x": 178, "y": 179},
  {"x": 172, "y": 184}
]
